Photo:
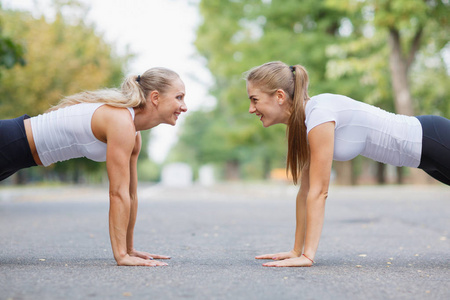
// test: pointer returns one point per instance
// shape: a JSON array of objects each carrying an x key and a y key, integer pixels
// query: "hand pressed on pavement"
[
  {"x": 146, "y": 255},
  {"x": 279, "y": 256},
  {"x": 137, "y": 261},
  {"x": 286, "y": 259},
  {"x": 290, "y": 262}
]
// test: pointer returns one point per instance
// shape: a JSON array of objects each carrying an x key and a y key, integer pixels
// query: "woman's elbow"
[
  {"x": 318, "y": 194},
  {"x": 119, "y": 196}
]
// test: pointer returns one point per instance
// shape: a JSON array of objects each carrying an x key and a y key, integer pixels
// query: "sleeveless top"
[
  {"x": 66, "y": 133},
  {"x": 363, "y": 129}
]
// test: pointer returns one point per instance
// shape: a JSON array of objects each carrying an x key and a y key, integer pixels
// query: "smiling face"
[
  {"x": 171, "y": 103},
  {"x": 270, "y": 108}
]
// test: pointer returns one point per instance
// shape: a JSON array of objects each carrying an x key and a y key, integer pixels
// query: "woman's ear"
[
  {"x": 154, "y": 97},
  {"x": 281, "y": 96}
]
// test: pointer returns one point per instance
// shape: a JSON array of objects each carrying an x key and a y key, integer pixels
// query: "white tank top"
[
  {"x": 363, "y": 129},
  {"x": 66, "y": 133}
]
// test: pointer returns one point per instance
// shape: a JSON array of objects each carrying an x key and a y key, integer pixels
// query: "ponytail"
[
  {"x": 298, "y": 149},
  {"x": 133, "y": 92}
]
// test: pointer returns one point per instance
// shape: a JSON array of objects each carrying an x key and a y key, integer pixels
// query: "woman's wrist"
[
  {"x": 297, "y": 253},
  {"x": 119, "y": 255},
  {"x": 310, "y": 258}
]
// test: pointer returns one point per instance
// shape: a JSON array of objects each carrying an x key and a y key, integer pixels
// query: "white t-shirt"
[
  {"x": 66, "y": 133},
  {"x": 363, "y": 129}
]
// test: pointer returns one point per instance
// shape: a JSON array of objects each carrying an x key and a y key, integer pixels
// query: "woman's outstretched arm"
[
  {"x": 321, "y": 141},
  {"x": 120, "y": 137},
  {"x": 300, "y": 212},
  {"x": 300, "y": 229},
  {"x": 134, "y": 205},
  {"x": 133, "y": 196},
  {"x": 311, "y": 202}
]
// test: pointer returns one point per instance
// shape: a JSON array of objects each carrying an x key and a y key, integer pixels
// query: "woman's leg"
[
  {"x": 6, "y": 174},
  {"x": 438, "y": 176},
  {"x": 15, "y": 153},
  {"x": 435, "y": 158}
]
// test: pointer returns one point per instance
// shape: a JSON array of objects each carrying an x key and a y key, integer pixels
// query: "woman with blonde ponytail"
[
  {"x": 331, "y": 127},
  {"x": 101, "y": 125}
]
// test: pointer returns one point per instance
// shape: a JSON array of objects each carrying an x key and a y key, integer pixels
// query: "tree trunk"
[
  {"x": 399, "y": 66},
  {"x": 399, "y": 74},
  {"x": 344, "y": 173},
  {"x": 400, "y": 177},
  {"x": 232, "y": 170},
  {"x": 381, "y": 174},
  {"x": 267, "y": 167},
  {"x": 20, "y": 177}
]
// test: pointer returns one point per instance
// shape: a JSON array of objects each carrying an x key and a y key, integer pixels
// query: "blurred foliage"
[
  {"x": 148, "y": 170},
  {"x": 11, "y": 52},
  {"x": 344, "y": 46},
  {"x": 368, "y": 54},
  {"x": 64, "y": 56}
]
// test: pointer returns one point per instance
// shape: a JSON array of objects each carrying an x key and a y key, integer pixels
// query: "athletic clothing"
[
  {"x": 435, "y": 158},
  {"x": 15, "y": 153},
  {"x": 58, "y": 135},
  {"x": 66, "y": 133},
  {"x": 363, "y": 129}
]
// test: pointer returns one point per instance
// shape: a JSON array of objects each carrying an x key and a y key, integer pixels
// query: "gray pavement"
[{"x": 378, "y": 243}]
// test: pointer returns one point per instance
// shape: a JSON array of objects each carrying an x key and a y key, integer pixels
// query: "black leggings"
[
  {"x": 15, "y": 153},
  {"x": 435, "y": 158}
]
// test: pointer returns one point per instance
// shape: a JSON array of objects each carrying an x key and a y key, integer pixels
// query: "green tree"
[
  {"x": 11, "y": 52},
  {"x": 401, "y": 39},
  {"x": 238, "y": 35},
  {"x": 402, "y": 47},
  {"x": 363, "y": 49},
  {"x": 64, "y": 56}
]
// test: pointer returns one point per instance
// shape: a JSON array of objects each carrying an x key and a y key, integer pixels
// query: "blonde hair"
[
  {"x": 133, "y": 92},
  {"x": 293, "y": 80}
]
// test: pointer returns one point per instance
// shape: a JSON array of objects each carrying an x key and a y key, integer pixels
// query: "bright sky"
[{"x": 161, "y": 33}]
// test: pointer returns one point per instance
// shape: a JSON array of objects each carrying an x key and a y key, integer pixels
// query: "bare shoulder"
[
  {"x": 322, "y": 133},
  {"x": 109, "y": 121},
  {"x": 118, "y": 115}
]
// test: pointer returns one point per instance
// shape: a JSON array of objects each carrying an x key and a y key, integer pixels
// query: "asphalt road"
[{"x": 378, "y": 243}]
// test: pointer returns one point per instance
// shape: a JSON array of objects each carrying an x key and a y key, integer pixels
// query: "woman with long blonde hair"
[
  {"x": 101, "y": 125},
  {"x": 331, "y": 127}
]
